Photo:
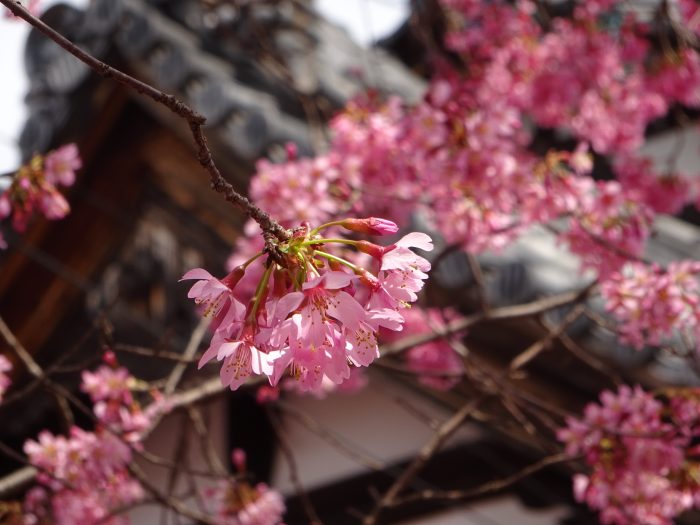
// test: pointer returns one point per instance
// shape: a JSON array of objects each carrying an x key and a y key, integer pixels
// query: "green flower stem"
[
  {"x": 324, "y": 241},
  {"x": 324, "y": 226},
  {"x": 340, "y": 260},
  {"x": 253, "y": 258},
  {"x": 259, "y": 293}
]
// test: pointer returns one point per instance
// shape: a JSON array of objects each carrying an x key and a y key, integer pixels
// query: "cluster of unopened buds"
[
  {"x": 237, "y": 502},
  {"x": 314, "y": 313},
  {"x": 34, "y": 187}
]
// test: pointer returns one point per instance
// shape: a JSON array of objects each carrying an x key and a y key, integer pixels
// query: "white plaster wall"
[{"x": 372, "y": 422}]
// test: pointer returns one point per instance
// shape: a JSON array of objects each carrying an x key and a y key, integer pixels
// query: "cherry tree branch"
[
  {"x": 445, "y": 430},
  {"x": 530, "y": 309},
  {"x": 212, "y": 387},
  {"x": 195, "y": 121}
]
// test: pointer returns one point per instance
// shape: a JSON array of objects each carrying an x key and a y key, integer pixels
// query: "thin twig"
[
  {"x": 478, "y": 274},
  {"x": 553, "y": 334},
  {"x": 21, "y": 352},
  {"x": 190, "y": 350},
  {"x": 486, "y": 488},
  {"x": 495, "y": 314},
  {"x": 286, "y": 449},
  {"x": 206, "y": 443},
  {"x": 301, "y": 417},
  {"x": 170, "y": 502},
  {"x": 441, "y": 435},
  {"x": 152, "y": 352}
]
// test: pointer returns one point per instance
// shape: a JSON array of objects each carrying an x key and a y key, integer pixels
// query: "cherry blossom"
[
  {"x": 297, "y": 190},
  {"x": 663, "y": 193},
  {"x": 84, "y": 476},
  {"x": 652, "y": 305},
  {"x": 237, "y": 502},
  {"x": 640, "y": 452},
  {"x": 61, "y": 164},
  {"x": 34, "y": 187},
  {"x": 81, "y": 478},
  {"x": 108, "y": 383},
  {"x": 313, "y": 314},
  {"x": 216, "y": 295},
  {"x": 246, "y": 505},
  {"x": 609, "y": 229},
  {"x": 110, "y": 389}
]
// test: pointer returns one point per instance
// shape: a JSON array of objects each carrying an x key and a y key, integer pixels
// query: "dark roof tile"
[{"x": 172, "y": 44}]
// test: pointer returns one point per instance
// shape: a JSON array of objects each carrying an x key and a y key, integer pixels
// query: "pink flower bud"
[
  {"x": 368, "y": 278},
  {"x": 267, "y": 394},
  {"x": 110, "y": 358},
  {"x": 372, "y": 249},
  {"x": 291, "y": 150},
  {"x": 238, "y": 458},
  {"x": 371, "y": 225},
  {"x": 231, "y": 280}
]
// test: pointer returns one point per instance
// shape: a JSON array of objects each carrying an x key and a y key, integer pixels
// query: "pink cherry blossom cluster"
[
  {"x": 460, "y": 158},
  {"x": 81, "y": 478},
  {"x": 663, "y": 193},
  {"x": 642, "y": 453},
  {"x": 463, "y": 156},
  {"x": 35, "y": 187},
  {"x": 436, "y": 363},
  {"x": 371, "y": 141},
  {"x": 84, "y": 476},
  {"x": 5, "y": 382},
  {"x": 354, "y": 383},
  {"x": 369, "y": 153},
  {"x": 604, "y": 85},
  {"x": 610, "y": 227},
  {"x": 237, "y": 502},
  {"x": 299, "y": 190},
  {"x": 314, "y": 313},
  {"x": 109, "y": 388},
  {"x": 652, "y": 305},
  {"x": 676, "y": 77}
]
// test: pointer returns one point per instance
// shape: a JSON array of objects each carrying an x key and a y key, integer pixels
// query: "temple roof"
[{"x": 250, "y": 71}]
